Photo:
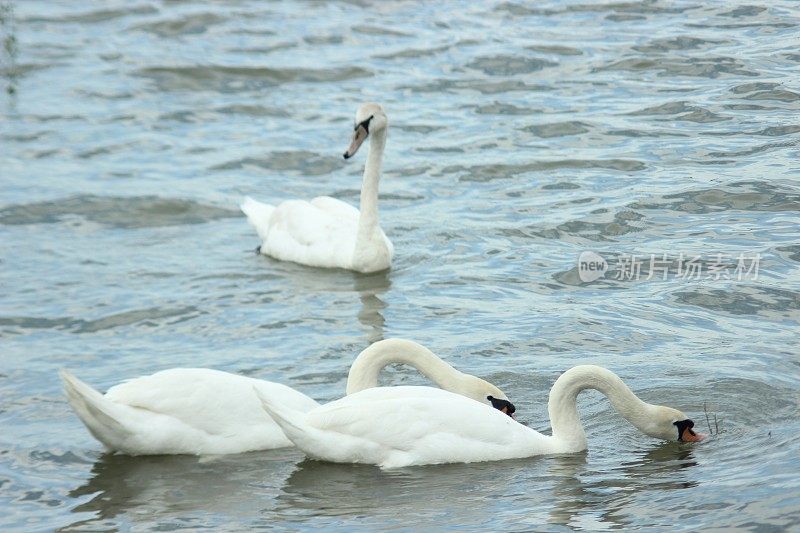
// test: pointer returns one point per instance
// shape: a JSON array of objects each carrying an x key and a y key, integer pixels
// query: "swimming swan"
[
  {"x": 395, "y": 427},
  {"x": 204, "y": 411},
  {"x": 327, "y": 232}
]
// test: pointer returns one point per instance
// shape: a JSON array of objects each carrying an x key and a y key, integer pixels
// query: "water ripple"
[
  {"x": 521, "y": 134},
  {"x": 233, "y": 78},
  {"x": 134, "y": 212}
]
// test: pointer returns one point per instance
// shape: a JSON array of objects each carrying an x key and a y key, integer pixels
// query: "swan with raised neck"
[
  {"x": 327, "y": 232},
  {"x": 371, "y": 245}
]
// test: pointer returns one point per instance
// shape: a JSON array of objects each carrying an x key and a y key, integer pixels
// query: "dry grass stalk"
[{"x": 715, "y": 430}]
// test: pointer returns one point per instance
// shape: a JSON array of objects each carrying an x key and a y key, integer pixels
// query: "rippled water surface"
[{"x": 521, "y": 135}]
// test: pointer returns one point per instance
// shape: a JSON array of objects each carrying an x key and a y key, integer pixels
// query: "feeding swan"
[
  {"x": 403, "y": 426},
  {"x": 204, "y": 411}
]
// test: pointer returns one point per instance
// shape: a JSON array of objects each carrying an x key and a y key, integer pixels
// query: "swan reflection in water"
[
  {"x": 561, "y": 490},
  {"x": 373, "y": 497},
  {"x": 332, "y": 292},
  {"x": 369, "y": 288},
  {"x": 564, "y": 490},
  {"x": 165, "y": 486},
  {"x": 602, "y": 496}
]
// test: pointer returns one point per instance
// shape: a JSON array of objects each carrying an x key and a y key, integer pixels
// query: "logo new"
[{"x": 591, "y": 266}]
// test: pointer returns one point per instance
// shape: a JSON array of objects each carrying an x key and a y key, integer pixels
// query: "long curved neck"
[
  {"x": 369, "y": 363},
  {"x": 563, "y": 410},
  {"x": 368, "y": 219}
]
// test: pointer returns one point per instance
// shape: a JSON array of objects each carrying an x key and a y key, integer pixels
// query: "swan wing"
[
  {"x": 336, "y": 207},
  {"x": 403, "y": 426},
  {"x": 220, "y": 406},
  {"x": 304, "y": 233}
]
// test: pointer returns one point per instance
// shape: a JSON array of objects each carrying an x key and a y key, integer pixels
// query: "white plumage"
[
  {"x": 203, "y": 411},
  {"x": 327, "y": 232},
  {"x": 183, "y": 411},
  {"x": 404, "y": 426}
]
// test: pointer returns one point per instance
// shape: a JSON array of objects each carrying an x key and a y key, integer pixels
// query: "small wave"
[
  {"x": 555, "y": 49},
  {"x": 561, "y": 186},
  {"x": 742, "y": 25},
  {"x": 194, "y": 115},
  {"x": 498, "y": 108},
  {"x": 413, "y": 53},
  {"x": 669, "y": 108},
  {"x": 765, "y": 91},
  {"x": 151, "y": 317},
  {"x": 118, "y": 212},
  {"x": 743, "y": 11},
  {"x": 502, "y": 170},
  {"x": 558, "y": 129},
  {"x": 740, "y": 196},
  {"x": 25, "y": 137},
  {"x": 681, "y": 110},
  {"x": 192, "y": 24},
  {"x": 323, "y": 39},
  {"x": 769, "y": 302},
  {"x": 646, "y": 133},
  {"x": 101, "y": 15},
  {"x": 513, "y": 8},
  {"x": 640, "y": 8},
  {"x": 298, "y": 162},
  {"x": 502, "y": 65},
  {"x": 779, "y": 131},
  {"x": 696, "y": 67},
  {"x": 791, "y": 252},
  {"x": 419, "y": 128},
  {"x": 482, "y": 86},
  {"x": 229, "y": 78},
  {"x": 378, "y": 30},
  {"x": 680, "y": 43},
  {"x": 622, "y": 223},
  {"x": 752, "y": 151},
  {"x": 263, "y": 50},
  {"x": 19, "y": 70}
]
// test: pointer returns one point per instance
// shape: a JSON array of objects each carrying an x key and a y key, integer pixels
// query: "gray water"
[{"x": 520, "y": 136}]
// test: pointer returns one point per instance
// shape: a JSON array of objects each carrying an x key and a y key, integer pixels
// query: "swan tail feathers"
[
  {"x": 290, "y": 420},
  {"x": 307, "y": 438},
  {"x": 258, "y": 214},
  {"x": 98, "y": 414}
]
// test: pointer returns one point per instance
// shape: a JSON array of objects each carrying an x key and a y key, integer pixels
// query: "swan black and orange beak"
[
  {"x": 360, "y": 133},
  {"x": 504, "y": 406},
  {"x": 686, "y": 433}
]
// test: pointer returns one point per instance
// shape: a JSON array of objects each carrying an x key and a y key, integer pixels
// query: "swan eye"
[{"x": 364, "y": 123}]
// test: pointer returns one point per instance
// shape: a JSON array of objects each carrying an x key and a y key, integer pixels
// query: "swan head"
[
  {"x": 484, "y": 392},
  {"x": 667, "y": 423},
  {"x": 503, "y": 406},
  {"x": 370, "y": 118}
]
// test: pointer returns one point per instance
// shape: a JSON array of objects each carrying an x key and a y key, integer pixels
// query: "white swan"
[
  {"x": 403, "y": 426},
  {"x": 327, "y": 232},
  {"x": 203, "y": 411}
]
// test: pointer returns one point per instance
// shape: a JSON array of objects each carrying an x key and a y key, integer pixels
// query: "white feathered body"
[
  {"x": 323, "y": 233},
  {"x": 202, "y": 411},
  {"x": 184, "y": 411},
  {"x": 404, "y": 426}
]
